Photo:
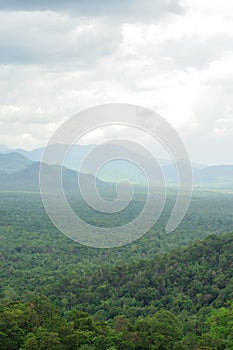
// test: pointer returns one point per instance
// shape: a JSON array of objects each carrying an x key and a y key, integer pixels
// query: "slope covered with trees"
[
  {"x": 164, "y": 291},
  {"x": 180, "y": 300}
]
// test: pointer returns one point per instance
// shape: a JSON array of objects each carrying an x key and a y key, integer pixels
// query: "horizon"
[{"x": 11, "y": 150}]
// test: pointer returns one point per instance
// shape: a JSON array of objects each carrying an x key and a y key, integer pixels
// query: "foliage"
[{"x": 162, "y": 292}]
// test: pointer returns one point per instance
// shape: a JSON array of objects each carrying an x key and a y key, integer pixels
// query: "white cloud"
[{"x": 54, "y": 64}]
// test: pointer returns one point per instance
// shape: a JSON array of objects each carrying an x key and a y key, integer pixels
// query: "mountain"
[
  {"x": 215, "y": 175},
  {"x": 4, "y": 149},
  {"x": 13, "y": 162},
  {"x": 217, "y": 171},
  {"x": 76, "y": 154},
  {"x": 112, "y": 171},
  {"x": 28, "y": 180}
]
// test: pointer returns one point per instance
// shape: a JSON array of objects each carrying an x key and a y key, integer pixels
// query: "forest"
[{"x": 164, "y": 291}]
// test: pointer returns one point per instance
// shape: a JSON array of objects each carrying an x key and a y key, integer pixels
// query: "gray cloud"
[
  {"x": 131, "y": 9},
  {"x": 48, "y": 38},
  {"x": 57, "y": 58},
  {"x": 60, "y": 34}
]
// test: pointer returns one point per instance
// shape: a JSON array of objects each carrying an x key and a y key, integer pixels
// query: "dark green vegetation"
[{"x": 164, "y": 291}]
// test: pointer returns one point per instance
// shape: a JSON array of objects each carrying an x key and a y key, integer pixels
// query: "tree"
[
  {"x": 161, "y": 331},
  {"x": 220, "y": 333},
  {"x": 41, "y": 339}
]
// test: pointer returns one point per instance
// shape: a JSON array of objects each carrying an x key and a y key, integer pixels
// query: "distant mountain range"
[
  {"x": 77, "y": 154},
  {"x": 28, "y": 180},
  {"x": 220, "y": 175},
  {"x": 4, "y": 149},
  {"x": 73, "y": 161},
  {"x": 13, "y": 162},
  {"x": 19, "y": 170}
]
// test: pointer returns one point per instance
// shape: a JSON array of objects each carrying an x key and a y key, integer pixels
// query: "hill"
[
  {"x": 179, "y": 300},
  {"x": 4, "y": 149},
  {"x": 184, "y": 280},
  {"x": 28, "y": 180},
  {"x": 113, "y": 170},
  {"x": 13, "y": 162},
  {"x": 218, "y": 174}
]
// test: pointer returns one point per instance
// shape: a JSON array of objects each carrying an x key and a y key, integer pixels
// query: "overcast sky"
[{"x": 175, "y": 57}]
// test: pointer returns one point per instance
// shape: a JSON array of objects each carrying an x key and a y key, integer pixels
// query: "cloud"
[
  {"x": 130, "y": 9},
  {"x": 19, "y": 134},
  {"x": 196, "y": 51},
  {"x": 58, "y": 58},
  {"x": 53, "y": 39},
  {"x": 219, "y": 74}
]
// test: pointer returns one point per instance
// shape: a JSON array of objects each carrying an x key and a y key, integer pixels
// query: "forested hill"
[
  {"x": 184, "y": 280},
  {"x": 180, "y": 300}
]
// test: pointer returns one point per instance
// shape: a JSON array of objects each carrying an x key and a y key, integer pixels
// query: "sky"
[{"x": 175, "y": 57}]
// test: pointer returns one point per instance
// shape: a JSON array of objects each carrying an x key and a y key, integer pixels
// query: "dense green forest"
[{"x": 164, "y": 291}]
